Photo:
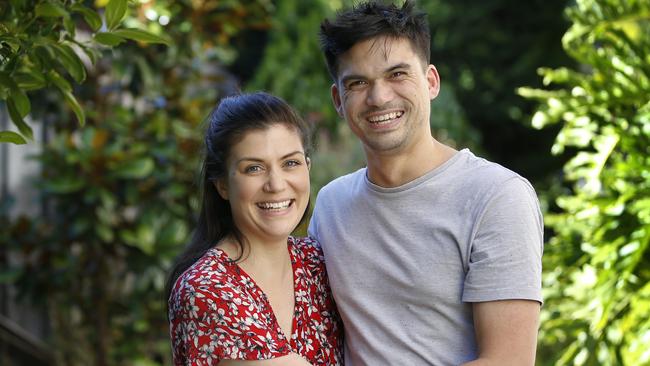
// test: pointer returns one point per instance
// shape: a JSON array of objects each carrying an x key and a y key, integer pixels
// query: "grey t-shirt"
[{"x": 405, "y": 263}]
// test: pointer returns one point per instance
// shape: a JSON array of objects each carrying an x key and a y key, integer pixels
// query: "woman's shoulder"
[
  {"x": 308, "y": 249},
  {"x": 209, "y": 276}
]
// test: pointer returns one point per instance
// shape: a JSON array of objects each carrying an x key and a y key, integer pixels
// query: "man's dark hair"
[{"x": 369, "y": 20}]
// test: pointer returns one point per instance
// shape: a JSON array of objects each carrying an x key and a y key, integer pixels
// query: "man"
[{"x": 433, "y": 254}]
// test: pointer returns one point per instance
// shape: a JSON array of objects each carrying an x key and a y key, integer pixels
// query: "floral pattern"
[{"x": 217, "y": 312}]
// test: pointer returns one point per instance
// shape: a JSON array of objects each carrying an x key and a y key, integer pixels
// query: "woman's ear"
[
  {"x": 308, "y": 163},
  {"x": 222, "y": 188}
]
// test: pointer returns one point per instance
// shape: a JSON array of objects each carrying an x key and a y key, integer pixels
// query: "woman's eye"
[
  {"x": 292, "y": 163},
  {"x": 253, "y": 169}
]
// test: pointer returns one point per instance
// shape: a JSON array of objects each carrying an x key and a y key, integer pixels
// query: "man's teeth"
[
  {"x": 385, "y": 117},
  {"x": 274, "y": 205}
]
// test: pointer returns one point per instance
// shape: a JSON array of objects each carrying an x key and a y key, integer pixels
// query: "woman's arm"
[{"x": 291, "y": 359}]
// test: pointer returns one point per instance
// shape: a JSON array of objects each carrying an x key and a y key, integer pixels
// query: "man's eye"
[
  {"x": 356, "y": 84},
  {"x": 398, "y": 74}
]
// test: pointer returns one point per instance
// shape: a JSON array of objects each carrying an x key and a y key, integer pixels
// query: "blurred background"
[{"x": 102, "y": 106}]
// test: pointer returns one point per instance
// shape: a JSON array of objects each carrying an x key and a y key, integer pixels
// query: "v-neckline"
[{"x": 222, "y": 254}]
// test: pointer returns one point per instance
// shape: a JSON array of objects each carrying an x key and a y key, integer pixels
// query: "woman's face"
[{"x": 267, "y": 183}]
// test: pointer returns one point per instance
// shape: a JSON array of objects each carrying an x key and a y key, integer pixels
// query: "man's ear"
[
  {"x": 433, "y": 79},
  {"x": 336, "y": 99},
  {"x": 222, "y": 188}
]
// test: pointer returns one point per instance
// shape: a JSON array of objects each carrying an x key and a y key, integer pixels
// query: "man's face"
[{"x": 384, "y": 92}]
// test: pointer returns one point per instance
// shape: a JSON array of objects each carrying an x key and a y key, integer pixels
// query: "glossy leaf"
[
  {"x": 48, "y": 9},
  {"x": 58, "y": 81},
  {"x": 115, "y": 12},
  {"x": 140, "y": 35},
  {"x": 108, "y": 38},
  {"x": 69, "y": 59},
  {"x": 64, "y": 184},
  {"x": 20, "y": 100},
  {"x": 76, "y": 108},
  {"x": 139, "y": 168},
  {"x": 30, "y": 80},
  {"x": 17, "y": 119},
  {"x": 90, "y": 16},
  {"x": 12, "y": 137}
]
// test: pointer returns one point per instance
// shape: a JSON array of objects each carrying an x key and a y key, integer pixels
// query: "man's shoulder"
[
  {"x": 344, "y": 182},
  {"x": 486, "y": 172}
]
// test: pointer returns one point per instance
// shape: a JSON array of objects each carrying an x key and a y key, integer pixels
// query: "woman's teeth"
[{"x": 274, "y": 205}]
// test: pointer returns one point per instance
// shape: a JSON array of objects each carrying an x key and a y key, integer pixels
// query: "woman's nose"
[{"x": 275, "y": 181}]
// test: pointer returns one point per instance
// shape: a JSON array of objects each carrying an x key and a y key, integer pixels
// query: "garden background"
[{"x": 110, "y": 99}]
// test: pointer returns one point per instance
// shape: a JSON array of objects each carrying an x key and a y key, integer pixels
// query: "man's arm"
[{"x": 506, "y": 332}]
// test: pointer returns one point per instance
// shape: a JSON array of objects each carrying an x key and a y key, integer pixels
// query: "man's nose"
[{"x": 379, "y": 93}]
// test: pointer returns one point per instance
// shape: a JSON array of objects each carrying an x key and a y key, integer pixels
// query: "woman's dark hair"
[
  {"x": 373, "y": 19},
  {"x": 226, "y": 125}
]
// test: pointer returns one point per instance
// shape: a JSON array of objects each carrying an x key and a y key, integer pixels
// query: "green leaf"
[
  {"x": 9, "y": 275},
  {"x": 21, "y": 102},
  {"x": 63, "y": 185},
  {"x": 139, "y": 168},
  {"x": 29, "y": 79},
  {"x": 140, "y": 35},
  {"x": 12, "y": 137},
  {"x": 20, "y": 99},
  {"x": 69, "y": 26},
  {"x": 104, "y": 232},
  {"x": 115, "y": 12},
  {"x": 92, "y": 53},
  {"x": 69, "y": 59},
  {"x": 51, "y": 10},
  {"x": 76, "y": 108},
  {"x": 58, "y": 81},
  {"x": 108, "y": 39},
  {"x": 90, "y": 16},
  {"x": 18, "y": 119}
]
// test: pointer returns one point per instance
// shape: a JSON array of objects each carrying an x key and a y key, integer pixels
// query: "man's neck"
[{"x": 395, "y": 169}]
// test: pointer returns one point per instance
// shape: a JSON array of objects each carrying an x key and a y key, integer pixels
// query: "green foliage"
[
  {"x": 485, "y": 50},
  {"x": 120, "y": 193},
  {"x": 597, "y": 276},
  {"x": 42, "y": 41},
  {"x": 292, "y": 65}
]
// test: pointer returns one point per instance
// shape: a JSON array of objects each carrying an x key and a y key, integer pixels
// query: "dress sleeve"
[
  {"x": 506, "y": 249},
  {"x": 332, "y": 325},
  {"x": 215, "y": 321}
]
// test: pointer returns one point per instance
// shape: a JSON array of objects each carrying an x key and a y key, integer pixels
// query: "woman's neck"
[{"x": 260, "y": 257}]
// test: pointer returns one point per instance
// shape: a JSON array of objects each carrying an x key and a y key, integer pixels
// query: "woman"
[{"x": 244, "y": 290}]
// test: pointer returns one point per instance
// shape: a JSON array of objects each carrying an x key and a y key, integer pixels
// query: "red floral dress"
[{"x": 217, "y": 312}]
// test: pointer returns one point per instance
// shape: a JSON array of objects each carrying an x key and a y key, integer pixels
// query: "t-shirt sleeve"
[
  {"x": 312, "y": 230},
  {"x": 215, "y": 322},
  {"x": 506, "y": 250}
]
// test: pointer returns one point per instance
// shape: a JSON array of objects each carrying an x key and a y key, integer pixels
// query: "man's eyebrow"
[
  {"x": 402, "y": 65},
  {"x": 347, "y": 78},
  {"x": 399, "y": 66}
]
